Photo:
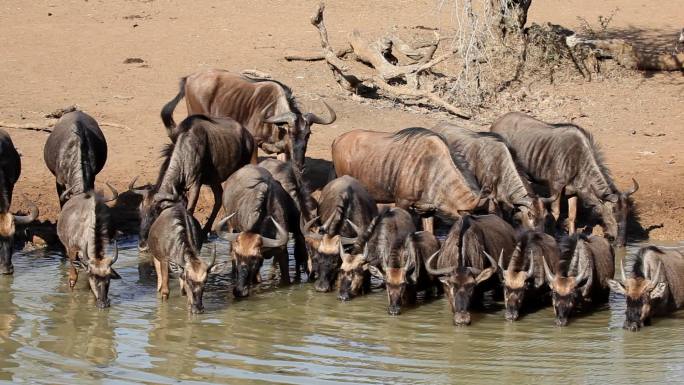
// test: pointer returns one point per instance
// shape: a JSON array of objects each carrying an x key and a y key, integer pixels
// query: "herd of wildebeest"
[{"x": 495, "y": 187}]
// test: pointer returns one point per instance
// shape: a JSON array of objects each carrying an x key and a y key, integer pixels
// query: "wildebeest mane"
[
  {"x": 100, "y": 223},
  {"x": 87, "y": 157},
  {"x": 185, "y": 241},
  {"x": 567, "y": 246},
  {"x": 4, "y": 193}
]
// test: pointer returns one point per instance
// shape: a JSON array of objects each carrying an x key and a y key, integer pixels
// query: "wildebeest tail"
[
  {"x": 167, "y": 110},
  {"x": 87, "y": 157}
]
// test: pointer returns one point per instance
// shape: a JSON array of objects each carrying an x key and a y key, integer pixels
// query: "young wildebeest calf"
[
  {"x": 494, "y": 166},
  {"x": 10, "y": 169},
  {"x": 75, "y": 151},
  {"x": 655, "y": 285},
  {"x": 263, "y": 213},
  {"x": 346, "y": 209},
  {"x": 83, "y": 228},
  {"x": 383, "y": 237},
  {"x": 464, "y": 264},
  {"x": 564, "y": 157},
  {"x": 404, "y": 270},
  {"x": 584, "y": 281},
  {"x": 206, "y": 152},
  {"x": 175, "y": 241},
  {"x": 523, "y": 278}
]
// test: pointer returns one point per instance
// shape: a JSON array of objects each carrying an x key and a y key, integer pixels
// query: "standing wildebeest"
[
  {"x": 523, "y": 277},
  {"x": 345, "y": 210},
  {"x": 384, "y": 236},
  {"x": 206, "y": 152},
  {"x": 262, "y": 213},
  {"x": 75, "y": 151},
  {"x": 584, "y": 280},
  {"x": 404, "y": 270},
  {"x": 565, "y": 157},
  {"x": 654, "y": 287},
  {"x": 84, "y": 229},
  {"x": 464, "y": 264},
  {"x": 412, "y": 168},
  {"x": 493, "y": 165},
  {"x": 175, "y": 242},
  {"x": 10, "y": 169},
  {"x": 292, "y": 182},
  {"x": 266, "y": 107}
]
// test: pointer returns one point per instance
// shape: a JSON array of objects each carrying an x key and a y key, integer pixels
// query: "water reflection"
[{"x": 294, "y": 335}]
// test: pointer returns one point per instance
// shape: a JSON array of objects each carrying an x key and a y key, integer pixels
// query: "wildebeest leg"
[
  {"x": 283, "y": 258},
  {"x": 555, "y": 208},
  {"x": 157, "y": 269},
  {"x": 72, "y": 273},
  {"x": 193, "y": 197},
  {"x": 255, "y": 156},
  {"x": 301, "y": 257},
  {"x": 572, "y": 214},
  {"x": 60, "y": 190},
  {"x": 164, "y": 267},
  {"x": 218, "y": 193},
  {"x": 429, "y": 224}
]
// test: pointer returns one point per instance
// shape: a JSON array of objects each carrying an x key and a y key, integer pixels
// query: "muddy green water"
[{"x": 292, "y": 334}]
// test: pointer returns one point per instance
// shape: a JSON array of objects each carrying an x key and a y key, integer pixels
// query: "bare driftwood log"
[{"x": 312, "y": 55}]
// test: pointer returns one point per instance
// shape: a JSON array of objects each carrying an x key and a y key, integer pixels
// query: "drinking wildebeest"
[
  {"x": 523, "y": 277},
  {"x": 565, "y": 157},
  {"x": 75, "y": 151},
  {"x": 345, "y": 209},
  {"x": 465, "y": 265},
  {"x": 654, "y": 286},
  {"x": 384, "y": 236},
  {"x": 206, "y": 152},
  {"x": 584, "y": 280},
  {"x": 403, "y": 270},
  {"x": 262, "y": 213},
  {"x": 493, "y": 164},
  {"x": 10, "y": 169},
  {"x": 83, "y": 228},
  {"x": 175, "y": 241},
  {"x": 412, "y": 168},
  {"x": 265, "y": 107}
]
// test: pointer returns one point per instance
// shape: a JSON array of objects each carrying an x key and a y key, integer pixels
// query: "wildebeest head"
[
  {"x": 516, "y": 283},
  {"x": 193, "y": 274},
  {"x": 8, "y": 223},
  {"x": 400, "y": 275},
  {"x": 150, "y": 207},
  {"x": 614, "y": 209},
  {"x": 641, "y": 293},
  {"x": 324, "y": 254},
  {"x": 459, "y": 284},
  {"x": 354, "y": 276},
  {"x": 298, "y": 128},
  {"x": 565, "y": 291},
  {"x": 100, "y": 272},
  {"x": 531, "y": 213},
  {"x": 247, "y": 252}
]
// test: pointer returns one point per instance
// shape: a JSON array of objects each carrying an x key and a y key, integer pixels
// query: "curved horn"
[
  {"x": 527, "y": 202},
  {"x": 356, "y": 228},
  {"x": 134, "y": 190},
  {"x": 26, "y": 219},
  {"x": 351, "y": 241},
  {"x": 280, "y": 240},
  {"x": 213, "y": 258},
  {"x": 491, "y": 260},
  {"x": 160, "y": 197},
  {"x": 635, "y": 188},
  {"x": 230, "y": 237},
  {"x": 341, "y": 250},
  {"x": 437, "y": 272},
  {"x": 115, "y": 194},
  {"x": 547, "y": 271},
  {"x": 622, "y": 270},
  {"x": 549, "y": 199},
  {"x": 312, "y": 118},
  {"x": 656, "y": 277},
  {"x": 500, "y": 264},
  {"x": 304, "y": 227},
  {"x": 63, "y": 195},
  {"x": 530, "y": 271},
  {"x": 288, "y": 117},
  {"x": 326, "y": 225},
  {"x": 116, "y": 253}
]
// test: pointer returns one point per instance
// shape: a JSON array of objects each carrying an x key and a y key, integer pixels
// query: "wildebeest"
[
  {"x": 10, "y": 169},
  {"x": 293, "y": 183},
  {"x": 403, "y": 270},
  {"x": 654, "y": 285},
  {"x": 584, "y": 280},
  {"x": 345, "y": 210},
  {"x": 523, "y": 278},
  {"x": 262, "y": 213},
  {"x": 465, "y": 265},
  {"x": 565, "y": 157},
  {"x": 75, "y": 151},
  {"x": 493, "y": 165},
  {"x": 265, "y": 107},
  {"x": 412, "y": 168},
  {"x": 175, "y": 241},
  {"x": 206, "y": 152},
  {"x": 84, "y": 229}
]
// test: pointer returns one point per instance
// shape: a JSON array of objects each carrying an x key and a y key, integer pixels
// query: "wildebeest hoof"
[
  {"x": 196, "y": 310},
  {"x": 394, "y": 310},
  {"x": 511, "y": 316},
  {"x": 102, "y": 304},
  {"x": 562, "y": 322},
  {"x": 165, "y": 296},
  {"x": 240, "y": 293},
  {"x": 72, "y": 283},
  {"x": 344, "y": 297},
  {"x": 7, "y": 270}
]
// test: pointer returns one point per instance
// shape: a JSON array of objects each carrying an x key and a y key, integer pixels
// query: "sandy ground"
[{"x": 58, "y": 53}]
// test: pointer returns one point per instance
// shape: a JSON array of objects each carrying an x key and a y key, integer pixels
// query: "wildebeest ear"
[
  {"x": 484, "y": 275},
  {"x": 175, "y": 268},
  {"x": 114, "y": 275},
  {"x": 659, "y": 290},
  {"x": 219, "y": 267},
  {"x": 375, "y": 272},
  {"x": 617, "y": 287}
]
